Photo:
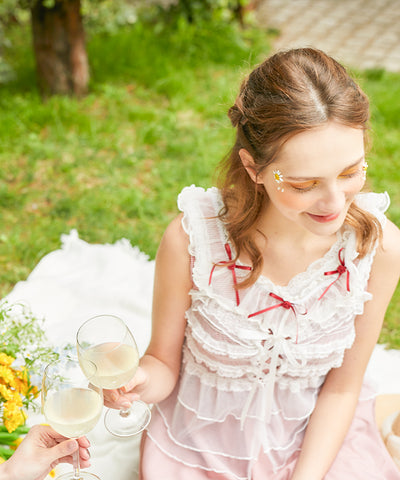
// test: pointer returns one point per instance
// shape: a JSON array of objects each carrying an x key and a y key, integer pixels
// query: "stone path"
[{"x": 358, "y": 33}]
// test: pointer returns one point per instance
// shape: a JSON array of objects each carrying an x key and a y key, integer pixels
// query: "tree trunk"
[
  {"x": 59, "y": 46},
  {"x": 238, "y": 12}
]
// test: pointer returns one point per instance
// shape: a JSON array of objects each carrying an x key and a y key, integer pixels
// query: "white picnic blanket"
[{"x": 81, "y": 280}]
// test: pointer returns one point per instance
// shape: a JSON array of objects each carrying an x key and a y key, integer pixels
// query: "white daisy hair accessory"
[
  {"x": 278, "y": 177},
  {"x": 364, "y": 170}
]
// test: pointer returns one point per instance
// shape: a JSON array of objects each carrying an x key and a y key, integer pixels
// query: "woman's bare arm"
[{"x": 338, "y": 398}]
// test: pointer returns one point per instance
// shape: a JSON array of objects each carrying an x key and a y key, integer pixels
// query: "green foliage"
[
  {"x": 108, "y": 15},
  {"x": 197, "y": 11},
  {"x": 158, "y": 68},
  {"x": 23, "y": 336}
]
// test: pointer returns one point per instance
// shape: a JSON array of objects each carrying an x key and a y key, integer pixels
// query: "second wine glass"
[
  {"x": 71, "y": 404},
  {"x": 106, "y": 341}
]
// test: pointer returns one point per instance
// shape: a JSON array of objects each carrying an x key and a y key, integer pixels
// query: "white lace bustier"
[{"x": 254, "y": 359}]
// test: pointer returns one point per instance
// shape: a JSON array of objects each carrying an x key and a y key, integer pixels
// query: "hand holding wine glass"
[
  {"x": 40, "y": 451},
  {"x": 71, "y": 404},
  {"x": 106, "y": 341},
  {"x": 129, "y": 393}
]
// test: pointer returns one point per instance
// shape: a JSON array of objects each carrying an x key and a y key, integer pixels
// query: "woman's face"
[{"x": 316, "y": 176}]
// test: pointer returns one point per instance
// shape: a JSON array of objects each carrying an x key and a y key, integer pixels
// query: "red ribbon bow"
[
  {"x": 231, "y": 267},
  {"x": 284, "y": 304},
  {"x": 341, "y": 269}
]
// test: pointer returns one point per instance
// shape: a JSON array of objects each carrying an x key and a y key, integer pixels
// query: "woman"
[{"x": 270, "y": 293}]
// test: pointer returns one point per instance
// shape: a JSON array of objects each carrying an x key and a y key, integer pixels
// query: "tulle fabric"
[
  {"x": 252, "y": 370},
  {"x": 362, "y": 456}
]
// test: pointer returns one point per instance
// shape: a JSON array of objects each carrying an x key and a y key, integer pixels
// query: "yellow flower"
[
  {"x": 17, "y": 443},
  {"x": 6, "y": 393},
  {"x": 2, "y": 460},
  {"x": 34, "y": 391},
  {"x": 52, "y": 473},
  {"x": 10, "y": 395},
  {"x": 21, "y": 384},
  {"x": 7, "y": 375},
  {"x": 13, "y": 416},
  {"x": 6, "y": 359}
]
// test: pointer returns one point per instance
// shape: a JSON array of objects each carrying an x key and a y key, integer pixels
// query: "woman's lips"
[{"x": 324, "y": 218}]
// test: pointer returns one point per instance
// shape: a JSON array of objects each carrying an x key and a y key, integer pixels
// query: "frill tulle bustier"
[{"x": 254, "y": 359}]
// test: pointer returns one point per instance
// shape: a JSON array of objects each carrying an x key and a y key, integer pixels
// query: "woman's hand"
[
  {"x": 40, "y": 451},
  {"x": 123, "y": 397},
  {"x": 159, "y": 368}
]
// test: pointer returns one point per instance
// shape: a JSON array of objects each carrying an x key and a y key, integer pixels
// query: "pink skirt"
[{"x": 363, "y": 456}]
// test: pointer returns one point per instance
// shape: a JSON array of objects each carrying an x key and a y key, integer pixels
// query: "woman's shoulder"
[
  {"x": 389, "y": 250},
  {"x": 175, "y": 236},
  {"x": 385, "y": 271}
]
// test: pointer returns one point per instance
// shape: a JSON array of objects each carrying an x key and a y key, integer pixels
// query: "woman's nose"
[{"x": 333, "y": 199}]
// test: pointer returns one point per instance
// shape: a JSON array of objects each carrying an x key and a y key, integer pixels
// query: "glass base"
[
  {"x": 82, "y": 476},
  {"x": 126, "y": 423}
]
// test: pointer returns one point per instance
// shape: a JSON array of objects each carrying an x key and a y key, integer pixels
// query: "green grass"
[
  {"x": 383, "y": 89},
  {"x": 111, "y": 164}
]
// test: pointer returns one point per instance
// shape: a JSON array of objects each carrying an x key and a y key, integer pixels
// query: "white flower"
[{"x": 278, "y": 177}]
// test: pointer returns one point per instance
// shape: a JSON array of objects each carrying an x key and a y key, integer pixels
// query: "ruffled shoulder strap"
[
  {"x": 207, "y": 235},
  {"x": 375, "y": 203}
]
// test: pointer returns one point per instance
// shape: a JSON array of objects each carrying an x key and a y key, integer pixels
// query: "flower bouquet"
[{"x": 24, "y": 350}]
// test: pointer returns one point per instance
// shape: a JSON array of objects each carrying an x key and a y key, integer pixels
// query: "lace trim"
[
  {"x": 218, "y": 378},
  {"x": 202, "y": 345},
  {"x": 221, "y": 347},
  {"x": 245, "y": 379},
  {"x": 193, "y": 225},
  {"x": 299, "y": 287}
]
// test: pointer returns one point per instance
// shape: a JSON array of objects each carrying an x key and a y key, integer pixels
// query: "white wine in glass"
[
  {"x": 106, "y": 341},
  {"x": 71, "y": 404}
]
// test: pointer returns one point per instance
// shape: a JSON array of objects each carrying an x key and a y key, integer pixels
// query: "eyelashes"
[
  {"x": 308, "y": 186},
  {"x": 352, "y": 173},
  {"x": 303, "y": 188}
]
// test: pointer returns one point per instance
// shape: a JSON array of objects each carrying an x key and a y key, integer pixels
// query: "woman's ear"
[{"x": 250, "y": 165}]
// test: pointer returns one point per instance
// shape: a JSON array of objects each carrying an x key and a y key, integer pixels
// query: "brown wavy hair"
[{"x": 290, "y": 92}]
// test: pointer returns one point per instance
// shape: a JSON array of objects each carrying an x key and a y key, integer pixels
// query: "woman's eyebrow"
[{"x": 302, "y": 179}]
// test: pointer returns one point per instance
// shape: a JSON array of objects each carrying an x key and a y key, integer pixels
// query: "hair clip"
[
  {"x": 364, "y": 170},
  {"x": 278, "y": 177}
]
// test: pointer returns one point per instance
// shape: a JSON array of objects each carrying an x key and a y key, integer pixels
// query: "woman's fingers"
[{"x": 117, "y": 399}]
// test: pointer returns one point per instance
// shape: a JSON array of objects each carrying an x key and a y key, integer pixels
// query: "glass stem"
[
  {"x": 77, "y": 467},
  {"x": 124, "y": 412}
]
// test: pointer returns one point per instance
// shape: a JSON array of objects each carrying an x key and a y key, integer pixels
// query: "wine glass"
[
  {"x": 106, "y": 341},
  {"x": 71, "y": 405}
]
